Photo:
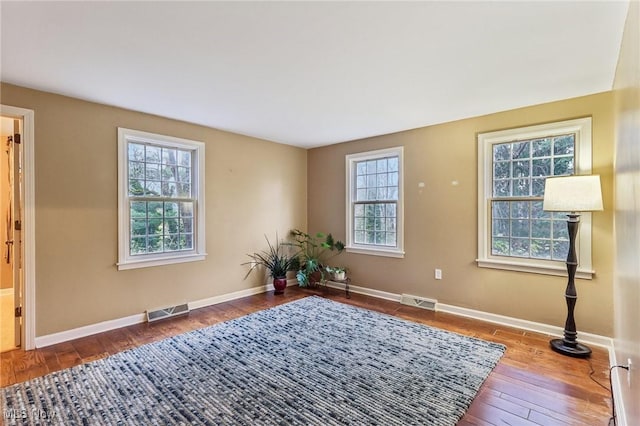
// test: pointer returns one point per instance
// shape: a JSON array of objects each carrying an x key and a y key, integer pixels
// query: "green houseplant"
[
  {"x": 276, "y": 261},
  {"x": 313, "y": 251},
  {"x": 337, "y": 273}
]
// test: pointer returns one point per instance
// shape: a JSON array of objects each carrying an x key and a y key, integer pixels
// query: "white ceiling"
[{"x": 313, "y": 73}]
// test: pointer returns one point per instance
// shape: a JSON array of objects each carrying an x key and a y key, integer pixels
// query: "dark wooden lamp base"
[
  {"x": 577, "y": 351},
  {"x": 569, "y": 345}
]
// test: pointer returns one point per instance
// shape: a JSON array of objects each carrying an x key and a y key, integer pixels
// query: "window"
[
  {"x": 374, "y": 202},
  {"x": 161, "y": 199},
  {"x": 514, "y": 232}
]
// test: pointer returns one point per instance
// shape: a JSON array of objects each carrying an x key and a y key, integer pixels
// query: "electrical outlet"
[{"x": 438, "y": 274}]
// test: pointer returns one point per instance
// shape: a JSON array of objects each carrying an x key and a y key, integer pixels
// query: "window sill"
[
  {"x": 376, "y": 251},
  {"x": 134, "y": 264},
  {"x": 560, "y": 271}
]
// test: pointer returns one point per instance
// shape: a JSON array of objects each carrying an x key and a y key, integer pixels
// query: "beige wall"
[
  {"x": 256, "y": 187},
  {"x": 441, "y": 219},
  {"x": 627, "y": 212},
  {"x": 253, "y": 187}
]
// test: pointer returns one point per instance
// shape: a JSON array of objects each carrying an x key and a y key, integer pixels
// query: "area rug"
[{"x": 308, "y": 362}]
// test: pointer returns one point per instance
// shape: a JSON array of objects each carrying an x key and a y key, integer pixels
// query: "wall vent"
[
  {"x": 420, "y": 302},
  {"x": 172, "y": 311}
]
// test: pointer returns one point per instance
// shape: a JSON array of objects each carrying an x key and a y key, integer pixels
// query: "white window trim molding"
[
  {"x": 350, "y": 161},
  {"x": 125, "y": 260},
  {"x": 583, "y": 154}
]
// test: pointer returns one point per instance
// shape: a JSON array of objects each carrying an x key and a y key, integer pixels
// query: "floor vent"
[
  {"x": 420, "y": 302},
  {"x": 159, "y": 314}
]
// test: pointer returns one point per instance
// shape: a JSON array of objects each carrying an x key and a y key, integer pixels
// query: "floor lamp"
[{"x": 572, "y": 194}]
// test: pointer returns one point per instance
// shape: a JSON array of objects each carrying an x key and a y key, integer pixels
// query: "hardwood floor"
[{"x": 531, "y": 385}]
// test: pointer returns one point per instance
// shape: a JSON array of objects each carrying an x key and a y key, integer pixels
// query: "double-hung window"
[
  {"x": 375, "y": 202},
  {"x": 514, "y": 231},
  {"x": 161, "y": 199}
]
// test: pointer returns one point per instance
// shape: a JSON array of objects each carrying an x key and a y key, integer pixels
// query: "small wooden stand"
[{"x": 346, "y": 283}]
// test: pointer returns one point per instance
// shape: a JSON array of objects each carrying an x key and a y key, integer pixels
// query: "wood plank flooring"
[{"x": 531, "y": 385}]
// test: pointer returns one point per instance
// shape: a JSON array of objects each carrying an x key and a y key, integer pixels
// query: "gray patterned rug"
[{"x": 308, "y": 362}]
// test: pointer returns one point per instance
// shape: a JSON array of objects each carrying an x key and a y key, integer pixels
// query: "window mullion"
[
  {"x": 364, "y": 202},
  {"x": 160, "y": 200},
  {"x": 374, "y": 213},
  {"x": 512, "y": 167},
  {"x": 516, "y": 198},
  {"x": 157, "y": 223}
]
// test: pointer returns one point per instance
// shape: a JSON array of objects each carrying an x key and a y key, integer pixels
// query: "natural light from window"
[
  {"x": 513, "y": 231},
  {"x": 374, "y": 205},
  {"x": 161, "y": 210}
]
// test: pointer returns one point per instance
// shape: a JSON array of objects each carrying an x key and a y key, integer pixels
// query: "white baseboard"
[
  {"x": 617, "y": 375},
  {"x": 101, "y": 327},
  {"x": 366, "y": 291},
  {"x": 88, "y": 330},
  {"x": 592, "y": 339},
  {"x": 228, "y": 296}
]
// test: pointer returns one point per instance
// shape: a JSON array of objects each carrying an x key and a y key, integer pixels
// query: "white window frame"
[
  {"x": 125, "y": 259},
  {"x": 583, "y": 157},
  {"x": 351, "y": 246}
]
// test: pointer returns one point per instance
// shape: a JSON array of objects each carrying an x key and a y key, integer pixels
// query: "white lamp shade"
[{"x": 572, "y": 194}]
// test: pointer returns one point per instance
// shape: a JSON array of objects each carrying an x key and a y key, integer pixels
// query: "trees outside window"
[
  {"x": 161, "y": 194},
  {"x": 375, "y": 204},
  {"x": 514, "y": 232},
  {"x": 519, "y": 227}
]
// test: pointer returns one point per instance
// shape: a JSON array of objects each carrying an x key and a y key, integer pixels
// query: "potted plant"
[
  {"x": 313, "y": 251},
  {"x": 276, "y": 261},
  {"x": 337, "y": 273}
]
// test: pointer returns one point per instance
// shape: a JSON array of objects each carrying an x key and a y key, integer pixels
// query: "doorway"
[
  {"x": 27, "y": 237},
  {"x": 11, "y": 220}
]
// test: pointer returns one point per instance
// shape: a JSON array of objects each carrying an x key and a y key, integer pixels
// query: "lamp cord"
[
  {"x": 613, "y": 417},
  {"x": 608, "y": 389}
]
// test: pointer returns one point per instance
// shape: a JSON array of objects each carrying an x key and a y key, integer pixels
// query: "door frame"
[{"x": 29, "y": 221}]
